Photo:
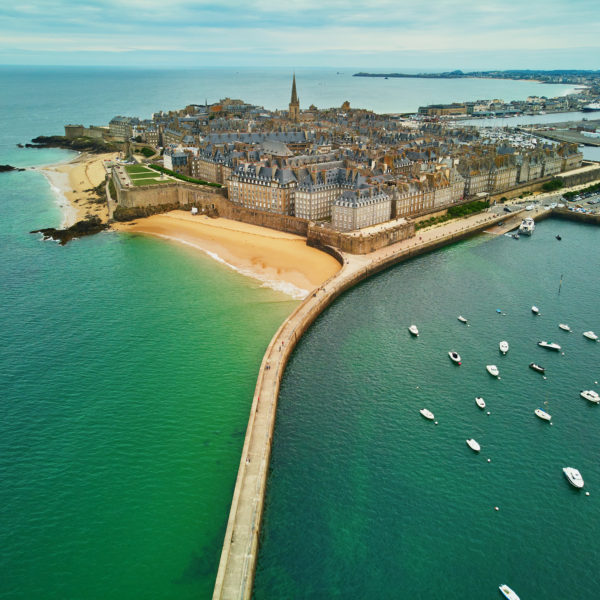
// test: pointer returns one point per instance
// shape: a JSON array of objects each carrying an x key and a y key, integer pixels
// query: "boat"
[
  {"x": 413, "y": 329},
  {"x": 564, "y": 327},
  {"x": 535, "y": 310},
  {"x": 515, "y": 236},
  {"x": 503, "y": 347},
  {"x": 508, "y": 592},
  {"x": 592, "y": 107},
  {"x": 574, "y": 477},
  {"x": 558, "y": 238},
  {"x": 590, "y": 395},
  {"x": 527, "y": 225},
  {"x": 462, "y": 319},
  {"x": 537, "y": 368},
  {"x": 480, "y": 402},
  {"x": 427, "y": 414},
  {"x": 590, "y": 335},
  {"x": 473, "y": 445},
  {"x": 550, "y": 345},
  {"x": 492, "y": 370},
  {"x": 542, "y": 414},
  {"x": 454, "y": 357}
]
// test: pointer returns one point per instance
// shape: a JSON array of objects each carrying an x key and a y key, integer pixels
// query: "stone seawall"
[{"x": 237, "y": 564}]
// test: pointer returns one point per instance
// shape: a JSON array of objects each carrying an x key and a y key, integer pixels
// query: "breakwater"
[{"x": 240, "y": 547}]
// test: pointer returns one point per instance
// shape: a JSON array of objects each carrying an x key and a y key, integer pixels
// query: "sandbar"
[{"x": 280, "y": 260}]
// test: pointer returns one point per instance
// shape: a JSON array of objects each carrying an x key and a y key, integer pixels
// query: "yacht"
[
  {"x": 413, "y": 329},
  {"x": 590, "y": 395},
  {"x": 462, "y": 319},
  {"x": 480, "y": 402},
  {"x": 503, "y": 347},
  {"x": 550, "y": 346},
  {"x": 473, "y": 445},
  {"x": 508, "y": 592},
  {"x": 590, "y": 335},
  {"x": 454, "y": 357},
  {"x": 542, "y": 414},
  {"x": 535, "y": 310},
  {"x": 574, "y": 477},
  {"x": 527, "y": 225},
  {"x": 564, "y": 327},
  {"x": 427, "y": 414},
  {"x": 492, "y": 370},
  {"x": 537, "y": 368}
]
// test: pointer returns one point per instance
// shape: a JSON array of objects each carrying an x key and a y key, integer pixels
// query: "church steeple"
[{"x": 294, "y": 112}]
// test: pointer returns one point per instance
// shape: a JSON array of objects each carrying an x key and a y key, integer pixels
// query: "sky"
[{"x": 429, "y": 35}]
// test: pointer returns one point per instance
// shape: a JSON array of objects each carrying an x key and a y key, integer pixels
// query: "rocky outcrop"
[
  {"x": 4, "y": 168},
  {"x": 80, "y": 144},
  {"x": 81, "y": 228}
]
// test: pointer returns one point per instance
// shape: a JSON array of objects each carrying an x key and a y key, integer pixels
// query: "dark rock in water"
[
  {"x": 81, "y": 144},
  {"x": 20, "y": 146},
  {"x": 87, "y": 227},
  {"x": 4, "y": 168}
]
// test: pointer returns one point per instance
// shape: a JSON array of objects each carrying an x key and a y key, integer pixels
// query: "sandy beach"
[
  {"x": 71, "y": 182},
  {"x": 280, "y": 260}
]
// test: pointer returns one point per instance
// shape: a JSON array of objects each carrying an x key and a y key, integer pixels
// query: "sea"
[{"x": 127, "y": 367}]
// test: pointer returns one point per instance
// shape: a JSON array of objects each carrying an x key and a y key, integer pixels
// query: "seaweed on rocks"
[{"x": 89, "y": 226}]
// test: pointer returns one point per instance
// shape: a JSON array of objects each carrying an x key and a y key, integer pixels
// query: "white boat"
[
  {"x": 473, "y": 445},
  {"x": 480, "y": 402},
  {"x": 550, "y": 346},
  {"x": 413, "y": 329},
  {"x": 492, "y": 370},
  {"x": 535, "y": 310},
  {"x": 462, "y": 319},
  {"x": 590, "y": 395},
  {"x": 590, "y": 335},
  {"x": 454, "y": 357},
  {"x": 427, "y": 414},
  {"x": 503, "y": 347},
  {"x": 542, "y": 414},
  {"x": 564, "y": 327},
  {"x": 574, "y": 477},
  {"x": 527, "y": 225},
  {"x": 508, "y": 592}
]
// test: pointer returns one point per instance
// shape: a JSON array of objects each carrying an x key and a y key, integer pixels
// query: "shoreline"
[{"x": 279, "y": 260}]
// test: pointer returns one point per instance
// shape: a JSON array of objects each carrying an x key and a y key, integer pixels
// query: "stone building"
[{"x": 357, "y": 209}]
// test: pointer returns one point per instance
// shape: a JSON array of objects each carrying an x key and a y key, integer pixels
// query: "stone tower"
[{"x": 294, "y": 112}]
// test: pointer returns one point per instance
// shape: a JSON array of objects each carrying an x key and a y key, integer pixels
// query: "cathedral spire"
[
  {"x": 294, "y": 99},
  {"x": 294, "y": 112}
]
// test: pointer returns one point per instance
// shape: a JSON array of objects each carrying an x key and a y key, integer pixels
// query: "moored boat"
[
  {"x": 550, "y": 345},
  {"x": 508, "y": 592},
  {"x": 535, "y": 310},
  {"x": 564, "y": 327},
  {"x": 503, "y": 347},
  {"x": 527, "y": 225},
  {"x": 590, "y": 335},
  {"x": 413, "y": 329},
  {"x": 537, "y": 368},
  {"x": 480, "y": 402},
  {"x": 462, "y": 319},
  {"x": 454, "y": 357},
  {"x": 590, "y": 395},
  {"x": 492, "y": 370},
  {"x": 427, "y": 414},
  {"x": 574, "y": 477},
  {"x": 473, "y": 445},
  {"x": 542, "y": 414}
]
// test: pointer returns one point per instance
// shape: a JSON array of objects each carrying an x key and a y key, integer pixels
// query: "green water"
[{"x": 367, "y": 499}]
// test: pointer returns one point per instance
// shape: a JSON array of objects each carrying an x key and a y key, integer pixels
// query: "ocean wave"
[
  {"x": 69, "y": 213},
  {"x": 284, "y": 287}
]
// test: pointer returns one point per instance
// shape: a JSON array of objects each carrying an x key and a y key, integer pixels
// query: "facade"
[
  {"x": 357, "y": 209},
  {"x": 122, "y": 127}
]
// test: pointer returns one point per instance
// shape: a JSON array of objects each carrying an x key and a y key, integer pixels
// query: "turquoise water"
[{"x": 367, "y": 499}]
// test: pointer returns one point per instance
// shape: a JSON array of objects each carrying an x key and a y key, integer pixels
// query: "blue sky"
[{"x": 444, "y": 34}]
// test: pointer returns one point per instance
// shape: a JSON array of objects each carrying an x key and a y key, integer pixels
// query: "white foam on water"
[{"x": 59, "y": 184}]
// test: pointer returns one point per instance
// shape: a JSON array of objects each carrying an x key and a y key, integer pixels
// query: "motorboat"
[
  {"x": 503, "y": 347},
  {"x": 564, "y": 327},
  {"x": 454, "y": 357},
  {"x": 550, "y": 345},
  {"x": 515, "y": 236},
  {"x": 492, "y": 370},
  {"x": 413, "y": 329},
  {"x": 590, "y": 335},
  {"x": 427, "y": 414},
  {"x": 558, "y": 238},
  {"x": 537, "y": 367},
  {"x": 542, "y": 414},
  {"x": 590, "y": 395},
  {"x": 527, "y": 225},
  {"x": 508, "y": 592},
  {"x": 535, "y": 310},
  {"x": 462, "y": 319},
  {"x": 480, "y": 402},
  {"x": 473, "y": 445},
  {"x": 574, "y": 477}
]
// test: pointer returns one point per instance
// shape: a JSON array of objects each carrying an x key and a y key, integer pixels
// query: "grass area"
[
  {"x": 132, "y": 169},
  {"x": 184, "y": 177},
  {"x": 454, "y": 212},
  {"x": 147, "y": 181},
  {"x": 143, "y": 175}
]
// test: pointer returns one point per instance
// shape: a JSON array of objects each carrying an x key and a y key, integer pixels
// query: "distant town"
[{"x": 331, "y": 174}]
